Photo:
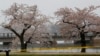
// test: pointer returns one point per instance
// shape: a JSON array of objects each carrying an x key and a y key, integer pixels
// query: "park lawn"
[
  {"x": 46, "y": 55},
  {"x": 22, "y": 54}
]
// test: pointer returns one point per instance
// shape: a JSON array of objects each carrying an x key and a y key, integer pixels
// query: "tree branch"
[
  {"x": 14, "y": 32},
  {"x": 25, "y": 29},
  {"x": 11, "y": 29},
  {"x": 72, "y": 24},
  {"x": 28, "y": 41}
]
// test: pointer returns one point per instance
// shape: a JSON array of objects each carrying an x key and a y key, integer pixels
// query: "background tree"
[
  {"x": 24, "y": 21},
  {"x": 78, "y": 22}
]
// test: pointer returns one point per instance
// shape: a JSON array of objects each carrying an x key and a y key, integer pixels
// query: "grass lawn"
[
  {"x": 69, "y": 54},
  {"x": 48, "y": 55}
]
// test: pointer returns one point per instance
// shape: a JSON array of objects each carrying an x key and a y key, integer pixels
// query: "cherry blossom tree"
[
  {"x": 25, "y": 22},
  {"x": 77, "y": 22}
]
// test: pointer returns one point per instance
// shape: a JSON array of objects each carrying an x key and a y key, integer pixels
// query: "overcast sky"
[{"x": 48, "y": 7}]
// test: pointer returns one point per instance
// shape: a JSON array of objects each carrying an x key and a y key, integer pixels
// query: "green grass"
[
  {"x": 23, "y": 54},
  {"x": 51, "y": 55}
]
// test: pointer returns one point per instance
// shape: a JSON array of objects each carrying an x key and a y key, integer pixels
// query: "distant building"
[{"x": 6, "y": 38}]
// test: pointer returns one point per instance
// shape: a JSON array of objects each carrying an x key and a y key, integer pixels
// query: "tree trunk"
[
  {"x": 83, "y": 42},
  {"x": 23, "y": 47}
]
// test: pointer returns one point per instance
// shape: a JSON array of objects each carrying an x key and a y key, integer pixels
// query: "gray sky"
[{"x": 48, "y": 7}]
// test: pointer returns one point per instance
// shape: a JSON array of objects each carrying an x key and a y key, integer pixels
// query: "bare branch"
[
  {"x": 25, "y": 29},
  {"x": 14, "y": 31}
]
